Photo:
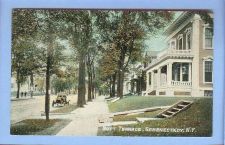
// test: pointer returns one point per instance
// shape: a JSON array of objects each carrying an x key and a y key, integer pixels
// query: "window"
[
  {"x": 208, "y": 66},
  {"x": 185, "y": 72},
  {"x": 208, "y": 37},
  {"x": 188, "y": 41},
  {"x": 176, "y": 72},
  {"x": 180, "y": 42},
  {"x": 149, "y": 78},
  {"x": 188, "y": 38},
  {"x": 172, "y": 44},
  {"x": 180, "y": 72}
]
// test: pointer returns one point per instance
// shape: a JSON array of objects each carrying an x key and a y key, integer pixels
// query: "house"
[
  {"x": 185, "y": 68},
  {"x": 135, "y": 79}
]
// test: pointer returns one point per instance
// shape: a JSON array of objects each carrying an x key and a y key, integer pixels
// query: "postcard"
[{"x": 112, "y": 72}]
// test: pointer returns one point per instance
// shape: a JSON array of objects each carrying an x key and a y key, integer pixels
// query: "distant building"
[
  {"x": 135, "y": 79},
  {"x": 24, "y": 87}
]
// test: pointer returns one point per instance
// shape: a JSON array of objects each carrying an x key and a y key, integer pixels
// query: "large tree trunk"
[
  {"x": 81, "y": 83},
  {"x": 120, "y": 84},
  {"x": 110, "y": 87},
  {"x": 31, "y": 84},
  {"x": 18, "y": 83},
  {"x": 93, "y": 82},
  {"x": 120, "y": 77},
  {"x": 89, "y": 87},
  {"x": 47, "y": 95},
  {"x": 114, "y": 85},
  {"x": 89, "y": 78}
]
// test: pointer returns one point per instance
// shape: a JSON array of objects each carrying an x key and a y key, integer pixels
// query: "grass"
[
  {"x": 65, "y": 109},
  {"x": 133, "y": 117},
  {"x": 198, "y": 118},
  {"x": 139, "y": 102},
  {"x": 38, "y": 127}
]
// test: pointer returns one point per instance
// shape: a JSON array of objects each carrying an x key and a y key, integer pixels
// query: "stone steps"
[{"x": 175, "y": 109}]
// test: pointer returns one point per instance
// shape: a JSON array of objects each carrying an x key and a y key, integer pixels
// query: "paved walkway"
[{"x": 86, "y": 120}]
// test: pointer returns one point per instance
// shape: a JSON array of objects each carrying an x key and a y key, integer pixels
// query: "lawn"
[
  {"x": 140, "y": 102},
  {"x": 38, "y": 127},
  {"x": 195, "y": 121},
  {"x": 65, "y": 109}
]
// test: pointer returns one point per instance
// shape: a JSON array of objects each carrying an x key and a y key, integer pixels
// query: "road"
[{"x": 23, "y": 109}]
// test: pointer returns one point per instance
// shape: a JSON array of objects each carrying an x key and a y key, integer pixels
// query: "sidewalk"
[
  {"x": 85, "y": 120},
  {"x": 20, "y": 99}
]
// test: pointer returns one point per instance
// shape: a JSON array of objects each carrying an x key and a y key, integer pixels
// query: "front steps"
[
  {"x": 152, "y": 93},
  {"x": 175, "y": 109}
]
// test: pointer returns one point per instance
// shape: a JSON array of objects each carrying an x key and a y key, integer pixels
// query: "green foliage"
[
  {"x": 32, "y": 33},
  {"x": 62, "y": 84},
  {"x": 104, "y": 39},
  {"x": 206, "y": 17}
]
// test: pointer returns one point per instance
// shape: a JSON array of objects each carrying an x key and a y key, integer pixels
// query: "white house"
[{"x": 185, "y": 68}]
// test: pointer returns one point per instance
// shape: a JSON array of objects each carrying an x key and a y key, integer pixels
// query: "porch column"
[
  {"x": 148, "y": 87},
  {"x": 152, "y": 80},
  {"x": 190, "y": 72},
  {"x": 158, "y": 77},
  {"x": 158, "y": 80},
  {"x": 169, "y": 74},
  {"x": 169, "y": 91},
  {"x": 196, "y": 35}
]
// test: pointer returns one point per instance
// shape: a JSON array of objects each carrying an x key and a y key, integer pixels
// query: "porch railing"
[
  {"x": 179, "y": 83},
  {"x": 174, "y": 51}
]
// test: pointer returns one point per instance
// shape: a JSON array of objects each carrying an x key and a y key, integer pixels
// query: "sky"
[{"x": 157, "y": 43}]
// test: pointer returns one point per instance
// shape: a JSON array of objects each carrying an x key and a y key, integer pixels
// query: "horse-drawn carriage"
[{"x": 61, "y": 99}]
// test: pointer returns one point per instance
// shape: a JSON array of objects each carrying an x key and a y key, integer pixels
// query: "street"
[{"x": 24, "y": 109}]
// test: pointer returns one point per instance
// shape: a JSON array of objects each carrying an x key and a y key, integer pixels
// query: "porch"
[{"x": 170, "y": 76}]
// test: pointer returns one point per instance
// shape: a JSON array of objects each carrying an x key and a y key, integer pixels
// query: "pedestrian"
[
  {"x": 21, "y": 94},
  {"x": 25, "y": 94}
]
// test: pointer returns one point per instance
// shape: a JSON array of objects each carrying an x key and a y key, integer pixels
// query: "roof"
[{"x": 176, "y": 23}]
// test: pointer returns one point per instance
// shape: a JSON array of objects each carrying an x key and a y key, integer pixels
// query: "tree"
[
  {"x": 108, "y": 67},
  {"x": 24, "y": 52},
  {"x": 48, "y": 31},
  {"x": 127, "y": 30},
  {"x": 78, "y": 32},
  {"x": 206, "y": 16}
]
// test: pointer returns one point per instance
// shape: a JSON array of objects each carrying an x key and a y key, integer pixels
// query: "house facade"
[
  {"x": 134, "y": 80},
  {"x": 185, "y": 68}
]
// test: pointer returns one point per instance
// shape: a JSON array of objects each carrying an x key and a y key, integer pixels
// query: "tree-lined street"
[{"x": 79, "y": 51}]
